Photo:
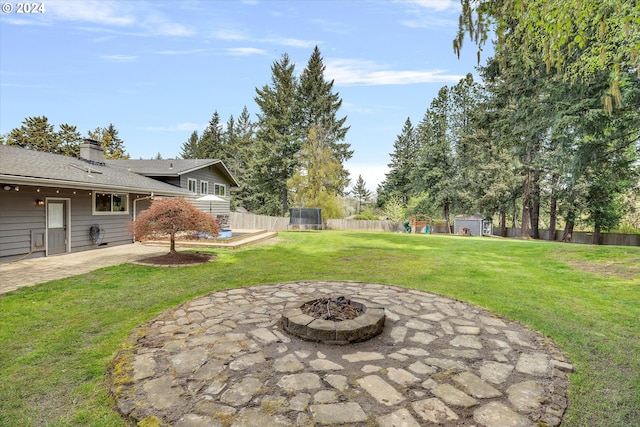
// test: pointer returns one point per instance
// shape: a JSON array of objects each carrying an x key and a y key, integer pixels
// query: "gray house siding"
[
  {"x": 20, "y": 217},
  {"x": 65, "y": 188},
  {"x": 23, "y": 222},
  {"x": 210, "y": 175}
]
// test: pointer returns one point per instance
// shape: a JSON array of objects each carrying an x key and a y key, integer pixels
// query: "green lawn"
[{"x": 57, "y": 339}]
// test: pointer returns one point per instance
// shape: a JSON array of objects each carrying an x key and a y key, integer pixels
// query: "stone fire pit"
[{"x": 367, "y": 323}]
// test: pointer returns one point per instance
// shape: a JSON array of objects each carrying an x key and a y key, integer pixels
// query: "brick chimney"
[{"x": 92, "y": 152}]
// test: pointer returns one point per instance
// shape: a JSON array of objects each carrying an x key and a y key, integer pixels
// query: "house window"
[
  {"x": 193, "y": 185},
  {"x": 107, "y": 203},
  {"x": 204, "y": 187},
  {"x": 220, "y": 190}
]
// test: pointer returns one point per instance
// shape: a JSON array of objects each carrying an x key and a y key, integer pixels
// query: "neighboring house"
[{"x": 52, "y": 204}]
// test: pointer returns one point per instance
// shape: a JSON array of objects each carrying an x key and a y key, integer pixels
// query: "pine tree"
[
  {"x": 108, "y": 138},
  {"x": 189, "y": 149},
  {"x": 115, "y": 150},
  {"x": 435, "y": 164},
  {"x": 278, "y": 140},
  {"x": 319, "y": 106},
  {"x": 361, "y": 193},
  {"x": 398, "y": 180},
  {"x": 243, "y": 151},
  {"x": 36, "y": 133},
  {"x": 210, "y": 145},
  {"x": 70, "y": 140}
]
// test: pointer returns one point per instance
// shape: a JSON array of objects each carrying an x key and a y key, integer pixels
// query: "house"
[
  {"x": 199, "y": 176},
  {"x": 53, "y": 204}
]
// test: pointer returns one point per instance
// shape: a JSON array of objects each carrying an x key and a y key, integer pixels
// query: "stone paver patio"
[{"x": 224, "y": 360}]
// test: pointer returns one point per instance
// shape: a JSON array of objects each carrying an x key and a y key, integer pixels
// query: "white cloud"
[
  {"x": 99, "y": 12},
  {"x": 438, "y": 5},
  {"x": 432, "y": 13},
  {"x": 118, "y": 14},
  {"x": 119, "y": 58},
  {"x": 180, "y": 52},
  {"x": 229, "y": 35},
  {"x": 347, "y": 72},
  {"x": 169, "y": 29},
  {"x": 245, "y": 51},
  {"x": 293, "y": 42}
]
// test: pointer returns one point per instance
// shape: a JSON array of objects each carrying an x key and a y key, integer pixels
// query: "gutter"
[{"x": 11, "y": 179}]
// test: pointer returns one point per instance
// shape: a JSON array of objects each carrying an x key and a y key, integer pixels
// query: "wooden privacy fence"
[
  {"x": 273, "y": 223},
  {"x": 581, "y": 237},
  {"x": 249, "y": 221}
]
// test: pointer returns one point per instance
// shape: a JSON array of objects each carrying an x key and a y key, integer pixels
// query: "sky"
[{"x": 158, "y": 70}]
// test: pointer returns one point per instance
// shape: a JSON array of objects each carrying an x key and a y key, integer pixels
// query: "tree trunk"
[
  {"x": 535, "y": 205},
  {"x": 526, "y": 210},
  {"x": 526, "y": 193},
  {"x": 172, "y": 244},
  {"x": 567, "y": 236},
  {"x": 447, "y": 217},
  {"x": 503, "y": 223},
  {"x": 285, "y": 202},
  {"x": 597, "y": 235},
  {"x": 553, "y": 218}
]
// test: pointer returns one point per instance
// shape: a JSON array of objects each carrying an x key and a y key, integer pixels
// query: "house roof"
[
  {"x": 28, "y": 167},
  {"x": 171, "y": 167}
]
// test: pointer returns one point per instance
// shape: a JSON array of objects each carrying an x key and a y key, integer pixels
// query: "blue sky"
[{"x": 159, "y": 69}]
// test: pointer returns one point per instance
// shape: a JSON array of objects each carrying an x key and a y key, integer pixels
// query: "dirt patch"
[
  {"x": 177, "y": 259},
  {"x": 609, "y": 268}
]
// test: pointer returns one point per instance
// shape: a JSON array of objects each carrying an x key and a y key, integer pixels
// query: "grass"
[{"x": 57, "y": 339}]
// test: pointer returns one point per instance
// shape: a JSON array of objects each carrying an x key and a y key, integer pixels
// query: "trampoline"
[{"x": 305, "y": 219}]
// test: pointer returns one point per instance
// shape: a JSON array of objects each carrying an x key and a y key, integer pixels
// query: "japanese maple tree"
[{"x": 171, "y": 216}]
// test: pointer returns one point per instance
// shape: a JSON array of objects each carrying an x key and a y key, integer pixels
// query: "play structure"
[{"x": 418, "y": 224}]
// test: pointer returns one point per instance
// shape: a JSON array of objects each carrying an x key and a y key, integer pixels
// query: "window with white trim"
[
  {"x": 204, "y": 187},
  {"x": 220, "y": 189},
  {"x": 192, "y": 184},
  {"x": 110, "y": 203}
]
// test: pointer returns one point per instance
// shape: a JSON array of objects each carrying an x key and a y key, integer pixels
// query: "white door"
[{"x": 56, "y": 227}]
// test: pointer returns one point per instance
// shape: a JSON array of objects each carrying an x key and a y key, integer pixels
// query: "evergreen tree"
[
  {"x": 243, "y": 147},
  {"x": 211, "y": 143},
  {"x": 278, "y": 140},
  {"x": 464, "y": 100},
  {"x": 110, "y": 142},
  {"x": 361, "y": 193},
  {"x": 36, "y": 133},
  {"x": 70, "y": 140},
  {"x": 398, "y": 181},
  {"x": 435, "y": 164},
  {"x": 318, "y": 106},
  {"x": 115, "y": 149},
  {"x": 189, "y": 149}
]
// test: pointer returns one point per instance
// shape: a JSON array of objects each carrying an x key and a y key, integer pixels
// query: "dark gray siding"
[
  {"x": 19, "y": 217},
  {"x": 212, "y": 176},
  {"x": 22, "y": 221}
]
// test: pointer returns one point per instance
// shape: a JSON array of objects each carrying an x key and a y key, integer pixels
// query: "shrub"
[{"x": 171, "y": 216}]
